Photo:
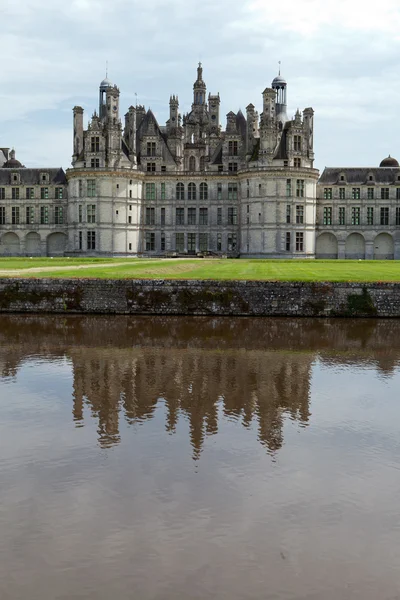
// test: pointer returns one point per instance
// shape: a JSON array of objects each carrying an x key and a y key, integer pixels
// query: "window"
[
  {"x": 299, "y": 214},
  {"x": 94, "y": 163},
  {"x": 232, "y": 191},
  {"x": 80, "y": 188},
  {"x": 219, "y": 242},
  {"x": 328, "y": 193},
  {"x": 130, "y": 220},
  {"x": 370, "y": 193},
  {"x": 299, "y": 241},
  {"x": 130, "y": 245},
  {"x": 248, "y": 214},
  {"x": 300, "y": 188},
  {"x": 59, "y": 215},
  {"x": 219, "y": 191},
  {"x": 180, "y": 191},
  {"x": 15, "y": 178},
  {"x": 397, "y": 194},
  {"x": 288, "y": 213},
  {"x": 248, "y": 193},
  {"x": 355, "y": 215},
  {"x": 80, "y": 213},
  {"x": 150, "y": 241},
  {"x": 163, "y": 216},
  {"x": 342, "y": 193},
  {"x": 219, "y": 216},
  {"x": 2, "y": 193},
  {"x": 259, "y": 189},
  {"x": 232, "y": 215},
  {"x": 397, "y": 215},
  {"x": 15, "y": 193},
  {"x": 151, "y": 149},
  {"x": 192, "y": 191},
  {"x": 233, "y": 148},
  {"x": 191, "y": 242},
  {"x": 163, "y": 191},
  {"x": 30, "y": 193},
  {"x": 30, "y": 215},
  {"x": 356, "y": 193},
  {"x": 384, "y": 193},
  {"x": 384, "y": 215},
  {"x": 44, "y": 193},
  {"x": 342, "y": 215},
  {"x": 2, "y": 215},
  {"x": 232, "y": 242},
  {"x": 203, "y": 242},
  {"x": 162, "y": 242},
  {"x": 45, "y": 177},
  {"x": 233, "y": 167},
  {"x": 44, "y": 215},
  {"x": 327, "y": 215},
  {"x": 288, "y": 188},
  {"x": 151, "y": 167},
  {"x": 191, "y": 216},
  {"x": 288, "y": 242},
  {"x": 203, "y": 191},
  {"x": 192, "y": 163},
  {"x": 130, "y": 193},
  {"x": 163, "y": 169},
  {"x": 370, "y": 215},
  {"x": 91, "y": 240},
  {"x": 95, "y": 144},
  {"x": 297, "y": 143},
  {"x": 15, "y": 215},
  {"x": 202, "y": 163},
  {"x": 150, "y": 191},
  {"x": 180, "y": 242},
  {"x": 220, "y": 168},
  {"x": 150, "y": 216},
  {"x": 91, "y": 188},
  {"x": 180, "y": 216},
  {"x": 203, "y": 216},
  {"x": 91, "y": 213},
  {"x": 297, "y": 163},
  {"x": 80, "y": 240}
]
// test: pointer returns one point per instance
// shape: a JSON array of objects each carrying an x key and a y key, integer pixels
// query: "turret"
[
  {"x": 105, "y": 84},
  {"x": 214, "y": 103},
  {"x": 173, "y": 111}
]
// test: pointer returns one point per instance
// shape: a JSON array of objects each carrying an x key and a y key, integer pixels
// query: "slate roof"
[
  {"x": 359, "y": 175},
  {"x": 281, "y": 153},
  {"x": 32, "y": 176}
]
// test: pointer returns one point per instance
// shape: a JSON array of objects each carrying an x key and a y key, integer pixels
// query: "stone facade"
[{"x": 190, "y": 187}]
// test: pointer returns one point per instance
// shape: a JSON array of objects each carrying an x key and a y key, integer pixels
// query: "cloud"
[{"x": 341, "y": 60}]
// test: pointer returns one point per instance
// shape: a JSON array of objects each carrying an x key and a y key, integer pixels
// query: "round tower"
[{"x": 280, "y": 86}]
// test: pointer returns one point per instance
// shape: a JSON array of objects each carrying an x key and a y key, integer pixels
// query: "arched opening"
[
  {"x": 384, "y": 247},
  {"x": 56, "y": 244},
  {"x": 192, "y": 163},
  {"x": 326, "y": 246},
  {"x": 180, "y": 191},
  {"x": 10, "y": 245},
  {"x": 192, "y": 191},
  {"x": 355, "y": 246},
  {"x": 203, "y": 191},
  {"x": 32, "y": 244}
]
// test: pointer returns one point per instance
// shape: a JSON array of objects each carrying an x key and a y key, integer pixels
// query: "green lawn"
[{"x": 228, "y": 269}]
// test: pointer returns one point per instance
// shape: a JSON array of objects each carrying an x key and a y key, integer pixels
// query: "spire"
[
  {"x": 199, "y": 72},
  {"x": 199, "y": 88}
]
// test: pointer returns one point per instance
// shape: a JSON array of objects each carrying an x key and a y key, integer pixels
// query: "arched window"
[
  {"x": 203, "y": 191},
  {"x": 192, "y": 163},
  {"x": 202, "y": 163},
  {"x": 192, "y": 191},
  {"x": 180, "y": 191}
]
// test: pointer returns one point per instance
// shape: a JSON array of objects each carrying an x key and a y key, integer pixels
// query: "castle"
[{"x": 190, "y": 187}]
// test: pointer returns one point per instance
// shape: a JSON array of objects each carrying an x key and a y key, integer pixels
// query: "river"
[{"x": 166, "y": 458}]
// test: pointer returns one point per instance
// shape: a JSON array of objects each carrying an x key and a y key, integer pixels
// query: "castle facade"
[{"x": 191, "y": 187}]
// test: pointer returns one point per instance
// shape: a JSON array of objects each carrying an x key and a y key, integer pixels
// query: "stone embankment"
[{"x": 219, "y": 298}]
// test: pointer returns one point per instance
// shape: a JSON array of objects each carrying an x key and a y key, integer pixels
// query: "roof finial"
[{"x": 279, "y": 62}]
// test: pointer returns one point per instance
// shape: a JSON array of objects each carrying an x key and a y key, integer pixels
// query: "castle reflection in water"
[{"x": 253, "y": 371}]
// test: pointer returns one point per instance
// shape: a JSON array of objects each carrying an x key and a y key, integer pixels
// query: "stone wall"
[{"x": 159, "y": 297}]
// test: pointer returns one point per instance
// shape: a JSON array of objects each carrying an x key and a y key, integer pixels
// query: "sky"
[{"x": 341, "y": 58}]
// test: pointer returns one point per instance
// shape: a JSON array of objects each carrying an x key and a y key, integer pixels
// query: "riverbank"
[{"x": 198, "y": 297}]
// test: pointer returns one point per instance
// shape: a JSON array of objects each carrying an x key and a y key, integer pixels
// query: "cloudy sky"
[{"x": 343, "y": 61}]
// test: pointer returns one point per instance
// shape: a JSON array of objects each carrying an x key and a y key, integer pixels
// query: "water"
[{"x": 174, "y": 458}]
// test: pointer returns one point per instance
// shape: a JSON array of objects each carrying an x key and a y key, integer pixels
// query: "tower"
[
  {"x": 173, "y": 111},
  {"x": 199, "y": 88},
  {"x": 280, "y": 86},
  {"x": 78, "y": 132},
  {"x": 104, "y": 85},
  {"x": 214, "y": 103}
]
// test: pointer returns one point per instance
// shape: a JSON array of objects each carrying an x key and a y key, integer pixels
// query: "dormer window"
[
  {"x": 297, "y": 143},
  {"x": 44, "y": 178},
  {"x": 15, "y": 178},
  {"x": 342, "y": 178},
  {"x": 233, "y": 148},
  {"x": 95, "y": 144}
]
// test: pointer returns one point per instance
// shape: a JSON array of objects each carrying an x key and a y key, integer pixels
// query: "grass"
[{"x": 252, "y": 269}]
